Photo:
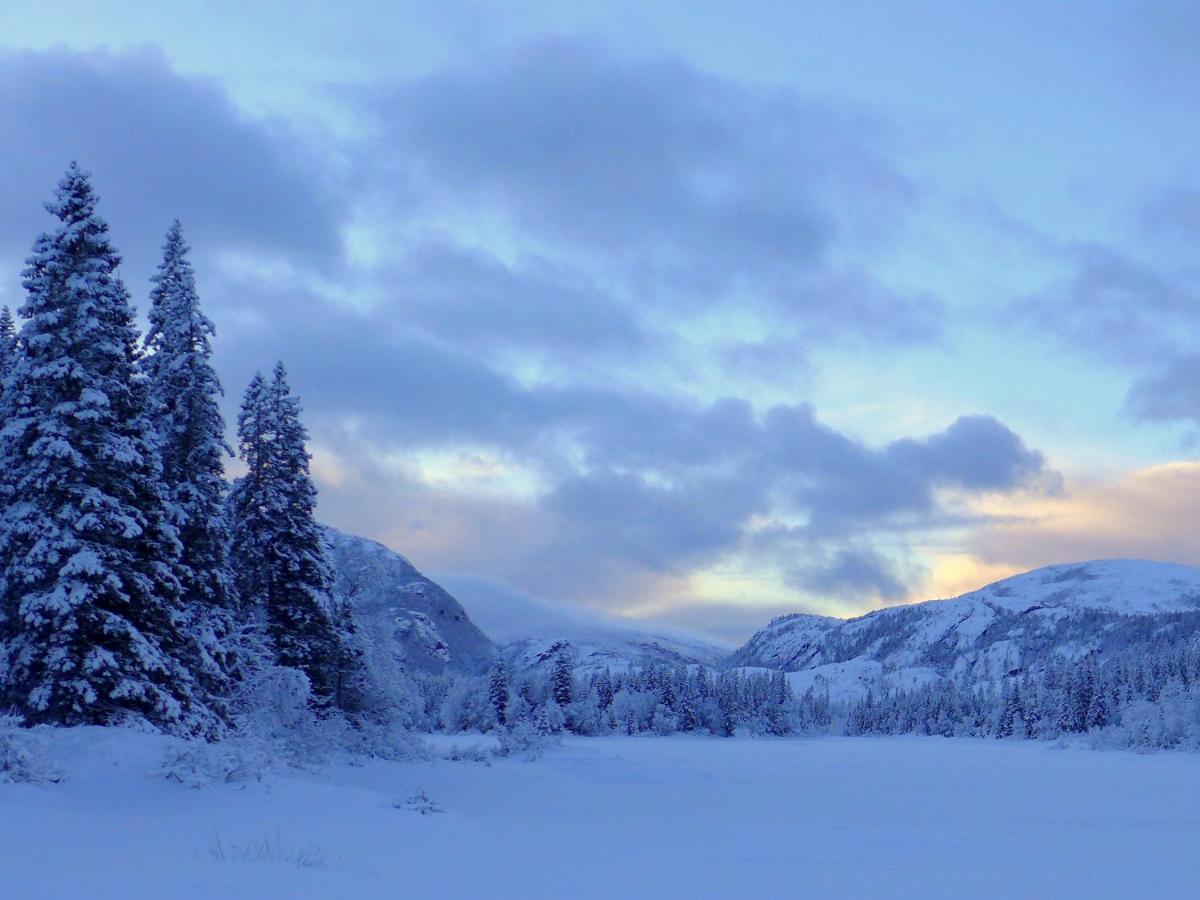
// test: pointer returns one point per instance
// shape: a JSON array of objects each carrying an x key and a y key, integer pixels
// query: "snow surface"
[{"x": 618, "y": 817}]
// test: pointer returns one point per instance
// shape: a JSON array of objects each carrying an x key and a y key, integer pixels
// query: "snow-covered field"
[{"x": 619, "y": 817}]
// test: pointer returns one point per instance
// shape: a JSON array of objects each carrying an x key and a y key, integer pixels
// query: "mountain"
[
  {"x": 531, "y": 629},
  {"x": 789, "y": 642},
  {"x": 406, "y": 620},
  {"x": 409, "y": 622},
  {"x": 1003, "y": 629},
  {"x": 614, "y": 648}
]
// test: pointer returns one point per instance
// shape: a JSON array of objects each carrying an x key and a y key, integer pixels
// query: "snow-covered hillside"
[
  {"x": 406, "y": 620},
  {"x": 613, "y": 648},
  {"x": 788, "y": 642},
  {"x": 1003, "y": 629}
]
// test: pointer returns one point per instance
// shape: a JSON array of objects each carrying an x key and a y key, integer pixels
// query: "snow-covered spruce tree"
[
  {"x": 562, "y": 681},
  {"x": 351, "y": 685},
  {"x": 184, "y": 394},
  {"x": 250, "y": 506},
  {"x": 300, "y": 622},
  {"x": 278, "y": 550},
  {"x": 498, "y": 689},
  {"x": 9, "y": 347},
  {"x": 88, "y": 550}
]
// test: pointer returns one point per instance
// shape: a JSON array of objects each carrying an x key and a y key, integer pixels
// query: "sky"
[{"x": 696, "y": 313}]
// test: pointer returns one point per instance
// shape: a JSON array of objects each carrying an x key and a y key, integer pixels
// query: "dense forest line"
[{"x": 1144, "y": 698}]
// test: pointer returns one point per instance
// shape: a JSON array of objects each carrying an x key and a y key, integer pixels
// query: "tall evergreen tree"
[
  {"x": 278, "y": 548},
  {"x": 251, "y": 503},
  {"x": 184, "y": 394},
  {"x": 300, "y": 620},
  {"x": 351, "y": 683},
  {"x": 9, "y": 346},
  {"x": 604, "y": 689},
  {"x": 10, "y": 349},
  {"x": 562, "y": 682},
  {"x": 88, "y": 553},
  {"x": 498, "y": 689}
]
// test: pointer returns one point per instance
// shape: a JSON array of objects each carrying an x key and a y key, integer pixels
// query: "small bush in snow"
[
  {"x": 383, "y": 740},
  {"x": 273, "y": 707},
  {"x": 550, "y": 718},
  {"x": 22, "y": 755},
  {"x": 274, "y": 701},
  {"x": 277, "y": 729},
  {"x": 268, "y": 848},
  {"x": 467, "y": 754},
  {"x": 419, "y": 802},
  {"x": 524, "y": 739},
  {"x": 235, "y": 759}
]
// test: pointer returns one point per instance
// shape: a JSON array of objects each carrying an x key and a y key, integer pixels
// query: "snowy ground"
[{"x": 620, "y": 817}]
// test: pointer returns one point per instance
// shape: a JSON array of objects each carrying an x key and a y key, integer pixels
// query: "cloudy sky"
[{"x": 692, "y": 312}]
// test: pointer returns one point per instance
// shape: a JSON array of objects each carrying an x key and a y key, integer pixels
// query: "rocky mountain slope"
[{"x": 406, "y": 620}]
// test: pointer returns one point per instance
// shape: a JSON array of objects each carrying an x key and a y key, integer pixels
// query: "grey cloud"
[
  {"x": 850, "y": 573},
  {"x": 975, "y": 453},
  {"x": 1173, "y": 212},
  {"x": 1120, "y": 310},
  {"x": 1172, "y": 393},
  {"x": 844, "y": 483},
  {"x": 663, "y": 528},
  {"x": 534, "y": 306},
  {"x": 770, "y": 361},
  {"x": 1116, "y": 308},
  {"x": 401, "y": 387},
  {"x": 567, "y": 138},
  {"x": 668, "y": 185},
  {"x": 1163, "y": 35},
  {"x": 161, "y": 145},
  {"x": 733, "y": 623}
]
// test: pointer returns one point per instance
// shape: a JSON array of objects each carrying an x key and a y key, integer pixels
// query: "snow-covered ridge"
[
  {"x": 1130, "y": 586},
  {"x": 601, "y": 642},
  {"x": 1002, "y": 629},
  {"x": 613, "y": 649}
]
